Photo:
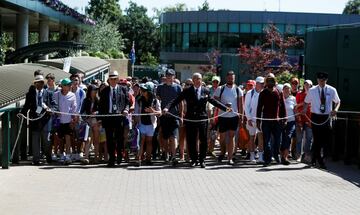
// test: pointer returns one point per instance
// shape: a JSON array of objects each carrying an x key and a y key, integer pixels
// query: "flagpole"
[{"x": 132, "y": 58}]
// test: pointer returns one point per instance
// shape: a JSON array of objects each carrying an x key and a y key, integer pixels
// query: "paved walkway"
[{"x": 159, "y": 189}]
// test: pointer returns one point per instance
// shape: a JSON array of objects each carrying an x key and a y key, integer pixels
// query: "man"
[
  {"x": 230, "y": 95},
  {"x": 114, "y": 100},
  {"x": 271, "y": 106},
  {"x": 169, "y": 125},
  {"x": 80, "y": 128},
  {"x": 321, "y": 98},
  {"x": 251, "y": 103},
  {"x": 196, "y": 98},
  {"x": 38, "y": 101},
  {"x": 67, "y": 104}
]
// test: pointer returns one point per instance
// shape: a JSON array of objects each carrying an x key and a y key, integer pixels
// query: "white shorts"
[
  {"x": 147, "y": 130},
  {"x": 252, "y": 129}
]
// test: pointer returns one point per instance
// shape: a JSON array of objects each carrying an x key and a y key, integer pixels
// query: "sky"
[{"x": 313, "y": 6}]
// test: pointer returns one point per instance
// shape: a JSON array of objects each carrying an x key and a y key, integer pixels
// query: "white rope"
[
  {"x": 318, "y": 124},
  {"x": 17, "y": 138},
  {"x": 271, "y": 119},
  {"x": 102, "y": 115},
  {"x": 196, "y": 120},
  {"x": 31, "y": 119}
]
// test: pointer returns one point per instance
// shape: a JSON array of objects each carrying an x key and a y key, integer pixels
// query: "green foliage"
[
  {"x": 205, "y": 6},
  {"x": 207, "y": 77},
  {"x": 105, "y": 10},
  {"x": 139, "y": 27},
  {"x": 352, "y": 7},
  {"x": 284, "y": 77},
  {"x": 33, "y": 38},
  {"x": 115, "y": 54},
  {"x": 147, "y": 59},
  {"x": 178, "y": 7},
  {"x": 5, "y": 45},
  {"x": 103, "y": 37}
]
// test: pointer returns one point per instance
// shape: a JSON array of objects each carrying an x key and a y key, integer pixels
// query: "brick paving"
[{"x": 160, "y": 189}]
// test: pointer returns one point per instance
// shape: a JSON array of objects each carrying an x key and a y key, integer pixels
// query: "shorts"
[
  {"x": 82, "y": 130},
  {"x": 65, "y": 129},
  {"x": 228, "y": 123},
  {"x": 252, "y": 129},
  {"x": 169, "y": 126},
  {"x": 147, "y": 130}
]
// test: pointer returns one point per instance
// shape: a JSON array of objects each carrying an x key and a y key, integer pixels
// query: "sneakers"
[
  {"x": 261, "y": 158},
  {"x": 62, "y": 158},
  {"x": 231, "y": 162},
  {"x": 81, "y": 156},
  {"x": 285, "y": 161},
  {"x": 252, "y": 157},
  {"x": 68, "y": 159},
  {"x": 174, "y": 161},
  {"x": 53, "y": 157}
]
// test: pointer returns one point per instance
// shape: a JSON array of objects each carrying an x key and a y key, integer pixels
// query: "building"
[
  {"x": 187, "y": 37},
  {"x": 45, "y": 17}
]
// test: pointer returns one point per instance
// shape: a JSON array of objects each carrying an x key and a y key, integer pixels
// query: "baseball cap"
[
  {"x": 215, "y": 78},
  {"x": 260, "y": 80},
  {"x": 170, "y": 72},
  {"x": 65, "y": 82},
  {"x": 309, "y": 82}
]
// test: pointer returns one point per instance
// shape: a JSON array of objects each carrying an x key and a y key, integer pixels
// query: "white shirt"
[
  {"x": 229, "y": 95},
  {"x": 42, "y": 97},
  {"x": 290, "y": 103},
  {"x": 198, "y": 92},
  {"x": 80, "y": 96},
  {"x": 251, "y": 103},
  {"x": 313, "y": 98},
  {"x": 67, "y": 104},
  {"x": 111, "y": 97}
]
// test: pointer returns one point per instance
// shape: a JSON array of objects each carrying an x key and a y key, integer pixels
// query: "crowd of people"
[{"x": 265, "y": 121}]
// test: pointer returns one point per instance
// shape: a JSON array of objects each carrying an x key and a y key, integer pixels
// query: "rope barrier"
[{"x": 17, "y": 138}]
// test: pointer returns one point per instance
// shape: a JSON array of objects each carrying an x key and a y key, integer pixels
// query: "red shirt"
[
  {"x": 301, "y": 119},
  {"x": 271, "y": 104}
]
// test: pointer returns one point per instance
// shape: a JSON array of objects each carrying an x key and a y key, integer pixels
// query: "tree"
[
  {"x": 141, "y": 29},
  {"x": 105, "y": 10},
  {"x": 274, "y": 48},
  {"x": 352, "y": 7},
  {"x": 205, "y": 6},
  {"x": 147, "y": 59},
  {"x": 178, "y": 7},
  {"x": 103, "y": 37}
]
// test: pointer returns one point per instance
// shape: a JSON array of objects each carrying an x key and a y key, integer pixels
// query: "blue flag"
[{"x": 132, "y": 56}]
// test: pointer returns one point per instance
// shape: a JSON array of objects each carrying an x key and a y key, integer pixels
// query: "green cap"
[{"x": 66, "y": 81}]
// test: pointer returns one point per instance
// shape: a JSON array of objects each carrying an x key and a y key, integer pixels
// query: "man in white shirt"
[
  {"x": 321, "y": 98},
  {"x": 251, "y": 103},
  {"x": 230, "y": 95}
]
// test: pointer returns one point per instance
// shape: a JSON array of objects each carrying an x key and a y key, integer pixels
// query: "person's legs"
[
  {"x": 119, "y": 139},
  {"x": 148, "y": 141},
  {"x": 308, "y": 142},
  {"x": 299, "y": 139},
  {"x": 203, "y": 141},
  {"x": 276, "y": 131},
  {"x": 266, "y": 129},
  {"x": 191, "y": 134},
  {"x": 230, "y": 144},
  {"x": 110, "y": 144},
  {"x": 35, "y": 138}
]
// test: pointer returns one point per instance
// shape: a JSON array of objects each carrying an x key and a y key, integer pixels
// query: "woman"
[
  {"x": 289, "y": 130},
  {"x": 146, "y": 104},
  {"x": 90, "y": 107}
]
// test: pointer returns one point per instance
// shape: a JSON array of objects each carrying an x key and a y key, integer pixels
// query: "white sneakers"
[{"x": 252, "y": 158}]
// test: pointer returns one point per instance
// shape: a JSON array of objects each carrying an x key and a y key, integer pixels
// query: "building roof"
[
  {"x": 15, "y": 80},
  {"x": 317, "y": 19},
  {"x": 85, "y": 65}
]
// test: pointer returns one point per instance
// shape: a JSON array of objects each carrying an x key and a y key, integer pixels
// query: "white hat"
[
  {"x": 260, "y": 80},
  {"x": 38, "y": 78},
  {"x": 270, "y": 75},
  {"x": 280, "y": 87},
  {"x": 309, "y": 82},
  {"x": 287, "y": 85},
  {"x": 113, "y": 73}
]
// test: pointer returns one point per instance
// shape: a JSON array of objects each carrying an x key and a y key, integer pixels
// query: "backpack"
[{"x": 237, "y": 92}]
